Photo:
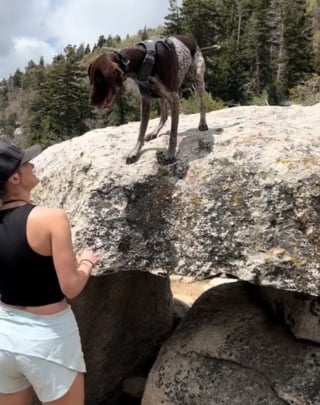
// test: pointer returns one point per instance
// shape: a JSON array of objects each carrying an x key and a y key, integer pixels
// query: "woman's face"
[{"x": 28, "y": 179}]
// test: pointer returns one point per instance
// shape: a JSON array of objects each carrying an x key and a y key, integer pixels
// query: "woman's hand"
[{"x": 87, "y": 256}]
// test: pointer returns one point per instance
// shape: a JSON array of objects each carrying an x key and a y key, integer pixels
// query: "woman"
[{"x": 40, "y": 349}]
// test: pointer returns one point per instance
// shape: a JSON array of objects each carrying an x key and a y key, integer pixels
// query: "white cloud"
[
  {"x": 26, "y": 49},
  {"x": 30, "y": 29}
]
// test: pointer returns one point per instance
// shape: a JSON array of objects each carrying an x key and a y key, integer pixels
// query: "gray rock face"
[
  {"x": 301, "y": 312},
  {"x": 245, "y": 201},
  {"x": 229, "y": 350},
  {"x": 123, "y": 319}
]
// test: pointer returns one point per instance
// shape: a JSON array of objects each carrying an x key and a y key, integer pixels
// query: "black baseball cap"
[{"x": 11, "y": 157}]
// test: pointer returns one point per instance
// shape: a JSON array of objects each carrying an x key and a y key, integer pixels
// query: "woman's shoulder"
[{"x": 49, "y": 212}]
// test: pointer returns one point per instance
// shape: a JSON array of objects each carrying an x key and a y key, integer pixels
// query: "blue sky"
[{"x": 30, "y": 29}]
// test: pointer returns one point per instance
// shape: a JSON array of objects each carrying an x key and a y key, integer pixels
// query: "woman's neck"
[{"x": 14, "y": 201}]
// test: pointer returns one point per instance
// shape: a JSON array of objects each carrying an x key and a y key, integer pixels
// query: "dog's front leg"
[{"x": 144, "y": 119}]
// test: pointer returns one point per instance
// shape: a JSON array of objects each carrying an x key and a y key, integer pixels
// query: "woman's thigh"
[
  {"x": 22, "y": 376},
  {"x": 75, "y": 395},
  {"x": 24, "y": 397},
  {"x": 51, "y": 381},
  {"x": 15, "y": 389}
]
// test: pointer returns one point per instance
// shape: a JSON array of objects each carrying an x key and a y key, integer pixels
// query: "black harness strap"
[
  {"x": 124, "y": 61},
  {"x": 148, "y": 63}
]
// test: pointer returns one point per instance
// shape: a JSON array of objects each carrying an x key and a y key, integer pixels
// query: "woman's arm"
[{"x": 72, "y": 275}]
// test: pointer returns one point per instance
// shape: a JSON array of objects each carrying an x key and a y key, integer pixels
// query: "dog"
[{"x": 158, "y": 66}]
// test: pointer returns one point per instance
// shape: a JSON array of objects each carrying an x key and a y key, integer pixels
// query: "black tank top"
[{"x": 26, "y": 278}]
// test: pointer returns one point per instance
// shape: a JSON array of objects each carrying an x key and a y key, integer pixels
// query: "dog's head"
[{"x": 106, "y": 80}]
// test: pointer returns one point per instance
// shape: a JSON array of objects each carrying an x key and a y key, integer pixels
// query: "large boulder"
[
  {"x": 123, "y": 319},
  {"x": 230, "y": 350},
  {"x": 243, "y": 202}
]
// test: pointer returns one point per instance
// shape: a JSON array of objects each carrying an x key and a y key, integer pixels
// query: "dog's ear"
[{"x": 89, "y": 70}]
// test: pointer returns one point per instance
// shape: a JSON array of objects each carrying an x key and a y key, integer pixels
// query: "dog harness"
[
  {"x": 150, "y": 48},
  {"x": 26, "y": 278}
]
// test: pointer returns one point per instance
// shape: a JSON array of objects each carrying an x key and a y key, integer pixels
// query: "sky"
[{"x": 30, "y": 29}]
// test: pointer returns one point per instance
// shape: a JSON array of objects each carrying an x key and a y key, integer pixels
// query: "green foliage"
[
  {"x": 60, "y": 108},
  {"x": 299, "y": 56},
  {"x": 260, "y": 99},
  {"x": 277, "y": 93},
  {"x": 266, "y": 45},
  {"x": 144, "y": 34},
  {"x": 34, "y": 76},
  {"x": 270, "y": 53},
  {"x": 257, "y": 49},
  {"x": 173, "y": 21},
  {"x": 17, "y": 78},
  {"x": 191, "y": 104},
  {"x": 307, "y": 93},
  {"x": 193, "y": 15}
]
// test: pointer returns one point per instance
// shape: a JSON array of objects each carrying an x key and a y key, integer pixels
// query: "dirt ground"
[{"x": 188, "y": 289}]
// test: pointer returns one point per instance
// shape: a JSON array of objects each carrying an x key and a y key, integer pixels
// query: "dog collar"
[{"x": 124, "y": 62}]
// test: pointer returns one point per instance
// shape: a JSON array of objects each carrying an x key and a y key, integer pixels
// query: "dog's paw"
[
  {"x": 150, "y": 136},
  {"x": 203, "y": 127},
  {"x": 134, "y": 154},
  {"x": 164, "y": 159},
  {"x": 131, "y": 159}
]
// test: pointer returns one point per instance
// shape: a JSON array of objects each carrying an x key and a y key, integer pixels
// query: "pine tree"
[
  {"x": 60, "y": 108},
  {"x": 199, "y": 18},
  {"x": 257, "y": 47},
  {"x": 34, "y": 75},
  {"x": 315, "y": 11},
  {"x": 17, "y": 78},
  {"x": 229, "y": 71},
  {"x": 298, "y": 56},
  {"x": 80, "y": 51},
  {"x": 144, "y": 34},
  {"x": 173, "y": 21}
]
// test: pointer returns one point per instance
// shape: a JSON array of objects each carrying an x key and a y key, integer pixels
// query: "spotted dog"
[{"x": 158, "y": 66}]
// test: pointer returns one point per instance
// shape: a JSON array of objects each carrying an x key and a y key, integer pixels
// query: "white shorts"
[
  {"x": 49, "y": 380},
  {"x": 39, "y": 350}
]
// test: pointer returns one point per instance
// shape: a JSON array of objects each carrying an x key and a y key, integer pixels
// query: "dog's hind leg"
[
  {"x": 163, "y": 119},
  {"x": 175, "y": 109},
  {"x": 144, "y": 116},
  {"x": 198, "y": 70},
  {"x": 172, "y": 98}
]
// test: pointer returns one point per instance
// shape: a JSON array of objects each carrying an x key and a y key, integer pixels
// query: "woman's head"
[{"x": 16, "y": 169}]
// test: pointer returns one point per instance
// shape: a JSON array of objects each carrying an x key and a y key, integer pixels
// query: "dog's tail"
[{"x": 207, "y": 50}]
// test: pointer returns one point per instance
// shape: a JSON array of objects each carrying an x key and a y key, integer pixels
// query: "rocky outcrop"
[
  {"x": 241, "y": 199},
  {"x": 123, "y": 319},
  {"x": 300, "y": 312},
  {"x": 229, "y": 350},
  {"x": 244, "y": 201}
]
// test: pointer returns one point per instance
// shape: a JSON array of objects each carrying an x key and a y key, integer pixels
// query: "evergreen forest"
[{"x": 269, "y": 55}]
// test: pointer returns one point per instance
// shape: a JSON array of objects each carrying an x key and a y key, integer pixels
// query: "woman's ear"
[{"x": 14, "y": 178}]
